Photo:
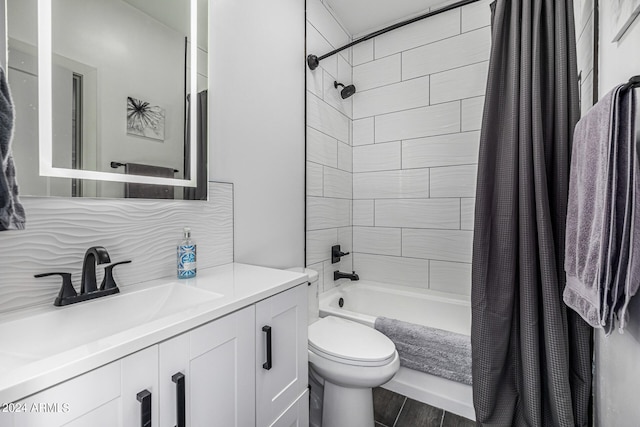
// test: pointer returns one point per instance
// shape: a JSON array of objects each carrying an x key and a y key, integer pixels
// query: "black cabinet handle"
[
  {"x": 178, "y": 378},
  {"x": 144, "y": 397},
  {"x": 269, "y": 363}
]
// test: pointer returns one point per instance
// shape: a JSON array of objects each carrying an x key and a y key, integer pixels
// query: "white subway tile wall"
[
  {"x": 391, "y": 171},
  {"x": 394, "y": 97},
  {"x": 363, "y": 131},
  {"x": 379, "y": 73},
  {"x": 378, "y": 157},
  {"x": 363, "y": 212},
  {"x": 329, "y": 150},
  {"x": 363, "y": 52},
  {"x": 416, "y": 131},
  {"x": 396, "y": 184}
]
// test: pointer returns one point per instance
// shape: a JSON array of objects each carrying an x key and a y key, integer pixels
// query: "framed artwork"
[
  {"x": 144, "y": 119},
  {"x": 623, "y": 13}
]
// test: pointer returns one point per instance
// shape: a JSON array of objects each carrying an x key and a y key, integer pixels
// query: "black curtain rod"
[{"x": 313, "y": 60}]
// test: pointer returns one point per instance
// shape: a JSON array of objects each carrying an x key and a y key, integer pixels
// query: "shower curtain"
[
  {"x": 531, "y": 355},
  {"x": 200, "y": 192}
]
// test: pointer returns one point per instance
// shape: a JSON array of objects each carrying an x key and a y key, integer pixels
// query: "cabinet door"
[
  {"x": 222, "y": 372},
  {"x": 71, "y": 399},
  {"x": 297, "y": 415},
  {"x": 173, "y": 380},
  {"x": 139, "y": 374},
  {"x": 278, "y": 385},
  {"x": 108, "y": 415}
]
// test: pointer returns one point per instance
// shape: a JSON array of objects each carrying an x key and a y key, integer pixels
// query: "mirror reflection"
[{"x": 121, "y": 102}]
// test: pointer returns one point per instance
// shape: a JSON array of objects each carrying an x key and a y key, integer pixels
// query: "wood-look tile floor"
[{"x": 394, "y": 410}]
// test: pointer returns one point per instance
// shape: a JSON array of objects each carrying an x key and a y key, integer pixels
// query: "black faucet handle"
[
  {"x": 336, "y": 254},
  {"x": 66, "y": 291},
  {"x": 108, "y": 282}
]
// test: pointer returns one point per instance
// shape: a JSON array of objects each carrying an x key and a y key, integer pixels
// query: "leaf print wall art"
[{"x": 144, "y": 119}]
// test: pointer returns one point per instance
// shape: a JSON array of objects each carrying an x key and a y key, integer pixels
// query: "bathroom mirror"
[{"x": 102, "y": 92}]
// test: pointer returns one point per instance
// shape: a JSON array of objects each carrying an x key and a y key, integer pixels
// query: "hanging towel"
[
  {"x": 12, "y": 216},
  {"x": 434, "y": 351},
  {"x": 629, "y": 276},
  {"x": 148, "y": 191},
  {"x": 600, "y": 258}
]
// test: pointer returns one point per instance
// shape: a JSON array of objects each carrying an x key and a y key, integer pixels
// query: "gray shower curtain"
[{"x": 531, "y": 355}]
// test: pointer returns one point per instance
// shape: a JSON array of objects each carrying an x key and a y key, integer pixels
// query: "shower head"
[{"x": 346, "y": 91}]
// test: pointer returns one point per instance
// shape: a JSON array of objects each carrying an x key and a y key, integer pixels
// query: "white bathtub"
[{"x": 363, "y": 301}]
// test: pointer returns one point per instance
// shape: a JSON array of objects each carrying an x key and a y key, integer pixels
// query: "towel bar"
[
  {"x": 116, "y": 165},
  {"x": 634, "y": 82}
]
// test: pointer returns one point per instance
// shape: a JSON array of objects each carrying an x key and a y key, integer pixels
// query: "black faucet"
[
  {"x": 94, "y": 255},
  {"x": 339, "y": 275},
  {"x": 88, "y": 289}
]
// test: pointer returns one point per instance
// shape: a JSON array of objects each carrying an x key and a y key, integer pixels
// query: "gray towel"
[
  {"x": 600, "y": 260},
  {"x": 12, "y": 216},
  {"x": 149, "y": 191},
  {"x": 629, "y": 273},
  {"x": 434, "y": 351}
]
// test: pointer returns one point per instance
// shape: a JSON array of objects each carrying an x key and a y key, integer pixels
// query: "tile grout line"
[
  {"x": 420, "y": 76},
  {"x": 399, "y": 412},
  {"x": 413, "y": 138},
  {"x": 406, "y": 49}
]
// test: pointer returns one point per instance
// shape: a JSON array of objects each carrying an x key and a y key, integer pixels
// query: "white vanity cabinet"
[
  {"x": 283, "y": 377},
  {"x": 139, "y": 374},
  {"x": 89, "y": 399},
  {"x": 223, "y": 368},
  {"x": 173, "y": 362},
  {"x": 221, "y": 376}
]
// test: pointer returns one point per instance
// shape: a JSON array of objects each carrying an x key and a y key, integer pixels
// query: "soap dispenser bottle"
[{"x": 186, "y": 256}]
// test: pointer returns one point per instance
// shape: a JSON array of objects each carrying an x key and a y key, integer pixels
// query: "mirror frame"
[{"x": 45, "y": 113}]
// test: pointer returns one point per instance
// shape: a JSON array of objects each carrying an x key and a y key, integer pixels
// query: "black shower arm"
[{"x": 313, "y": 60}]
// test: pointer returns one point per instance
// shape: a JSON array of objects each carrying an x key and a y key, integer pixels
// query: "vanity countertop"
[{"x": 39, "y": 347}]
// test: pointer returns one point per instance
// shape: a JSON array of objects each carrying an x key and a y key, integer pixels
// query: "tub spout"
[{"x": 339, "y": 275}]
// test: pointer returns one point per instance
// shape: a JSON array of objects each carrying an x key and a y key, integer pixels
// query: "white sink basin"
[{"x": 88, "y": 323}]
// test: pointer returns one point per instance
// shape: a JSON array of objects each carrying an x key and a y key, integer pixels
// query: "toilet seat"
[{"x": 351, "y": 343}]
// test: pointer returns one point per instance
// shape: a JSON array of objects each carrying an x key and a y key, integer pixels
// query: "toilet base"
[{"x": 347, "y": 407}]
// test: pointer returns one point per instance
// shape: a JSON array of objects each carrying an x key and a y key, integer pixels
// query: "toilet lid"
[{"x": 350, "y": 341}]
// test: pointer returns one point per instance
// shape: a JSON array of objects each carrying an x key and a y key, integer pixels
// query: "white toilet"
[{"x": 346, "y": 360}]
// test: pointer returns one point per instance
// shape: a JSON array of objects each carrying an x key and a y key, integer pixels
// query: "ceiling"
[
  {"x": 175, "y": 14},
  {"x": 362, "y": 16}
]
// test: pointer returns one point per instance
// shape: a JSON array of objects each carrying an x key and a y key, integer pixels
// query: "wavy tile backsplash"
[{"x": 60, "y": 230}]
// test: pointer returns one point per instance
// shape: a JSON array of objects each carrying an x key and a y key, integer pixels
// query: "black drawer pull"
[
  {"x": 178, "y": 378},
  {"x": 144, "y": 397},
  {"x": 269, "y": 363}
]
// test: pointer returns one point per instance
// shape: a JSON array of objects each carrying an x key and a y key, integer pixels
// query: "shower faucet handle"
[{"x": 336, "y": 254}]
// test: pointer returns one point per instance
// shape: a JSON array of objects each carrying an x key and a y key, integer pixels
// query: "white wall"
[
  {"x": 329, "y": 151},
  {"x": 257, "y": 124},
  {"x": 617, "y": 357}
]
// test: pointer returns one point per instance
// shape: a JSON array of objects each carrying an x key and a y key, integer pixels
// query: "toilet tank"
[{"x": 312, "y": 295}]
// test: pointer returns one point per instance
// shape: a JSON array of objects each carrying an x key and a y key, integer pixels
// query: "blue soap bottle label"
[{"x": 186, "y": 256}]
